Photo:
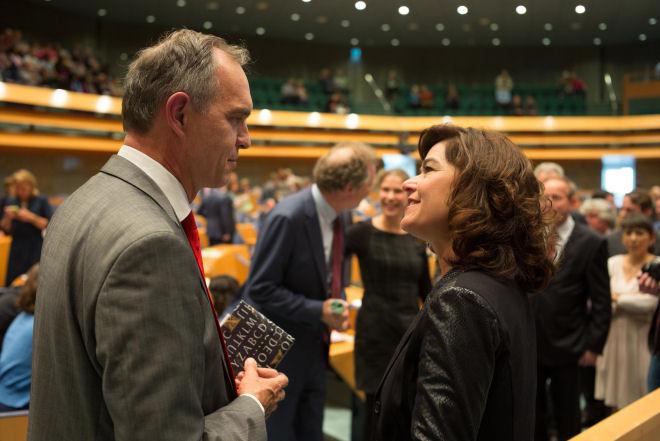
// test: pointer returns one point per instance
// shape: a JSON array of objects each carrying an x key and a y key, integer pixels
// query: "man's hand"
[
  {"x": 335, "y": 320},
  {"x": 267, "y": 385},
  {"x": 648, "y": 284},
  {"x": 588, "y": 359}
]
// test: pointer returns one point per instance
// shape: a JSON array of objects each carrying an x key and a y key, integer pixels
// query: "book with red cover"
[{"x": 249, "y": 333}]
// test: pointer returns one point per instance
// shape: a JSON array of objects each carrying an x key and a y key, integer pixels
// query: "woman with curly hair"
[{"x": 466, "y": 367}]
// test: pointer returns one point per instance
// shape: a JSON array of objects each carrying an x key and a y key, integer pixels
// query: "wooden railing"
[{"x": 33, "y": 118}]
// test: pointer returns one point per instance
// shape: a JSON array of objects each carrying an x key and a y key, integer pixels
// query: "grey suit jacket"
[{"x": 125, "y": 345}]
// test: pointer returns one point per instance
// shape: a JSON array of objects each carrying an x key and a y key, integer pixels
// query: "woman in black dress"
[
  {"x": 395, "y": 275},
  {"x": 25, "y": 217},
  {"x": 466, "y": 367}
]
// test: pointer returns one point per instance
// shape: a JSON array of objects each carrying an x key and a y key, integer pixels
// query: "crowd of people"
[
  {"x": 50, "y": 65},
  {"x": 536, "y": 299}
]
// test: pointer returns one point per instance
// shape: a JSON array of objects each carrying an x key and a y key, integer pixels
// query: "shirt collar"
[
  {"x": 564, "y": 230},
  {"x": 325, "y": 211},
  {"x": 166, "y": 182}
]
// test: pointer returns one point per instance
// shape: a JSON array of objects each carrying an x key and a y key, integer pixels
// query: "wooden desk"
[
  {"x": 13, "y": 426},
  {"x": 231, "y": 260},
  {"x": 5, "y": 244}
]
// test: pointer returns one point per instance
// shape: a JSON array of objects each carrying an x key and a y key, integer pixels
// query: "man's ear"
[{"x": 177, "y": 109}]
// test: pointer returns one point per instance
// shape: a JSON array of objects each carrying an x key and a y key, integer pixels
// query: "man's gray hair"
[
  {"x": 182, "y": 61},
  {"x": 549, "y": 168},
  {"x": 602, "y": 208},
  {"x": 347, "y": 163}
]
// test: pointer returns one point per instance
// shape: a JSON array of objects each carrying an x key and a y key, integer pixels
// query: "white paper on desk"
[{"x": 337, "y": 337}]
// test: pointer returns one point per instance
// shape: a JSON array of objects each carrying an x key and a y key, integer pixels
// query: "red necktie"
[
  {"x": 337, "y": 258},
  {"x": 190, "y": 227}
]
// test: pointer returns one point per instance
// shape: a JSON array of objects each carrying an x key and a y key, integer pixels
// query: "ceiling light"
[
  {"x": 309, "y": 36},
  {"x": 295, "y": 17},
  {"x": 306, "y": 1},
  {"x": 385, "y": 27},
  {"x": 446, "y": 41},
  {"x": 602, "y": 26},
  {"x": 181, "y": 3},
  {"x": 546, "y": 41},
  {"x": 494, "y": 27},
  {"x": 547, "y": 26},
  {"x": 123, "y": 56},
  {"x": 653, "y": 21},
  {"x": 520, "y": 9},
  {"x": 240, "y": 10},
  {"x": 404, "y": 10},
  {"x": 642, "y": 37},
  {"x": 354, "y": 41},
  {"x": 260, "y": 31},
  {"x": 360, "y": 5},
  {"x": 462, "y": 10},
  {"x": 150, "y": 19},
  {"x": 345, "y": 23},
  {"x": 439, "y": 27},
  {"x": 394, "y": 42},
  {"x": 207, "y": 25},
  {"x": 496, "y": 41},
  {"x": 580, "y": 9},
  {"x": 597, "y": 41}
]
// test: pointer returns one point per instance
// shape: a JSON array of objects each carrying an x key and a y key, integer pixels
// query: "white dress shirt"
[
  {"x": 327, "y": 216},
  {"x": 564, "y": 231}
]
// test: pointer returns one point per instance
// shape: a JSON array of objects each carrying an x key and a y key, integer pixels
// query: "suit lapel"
[
  {"x": 315, "y": 238},
  {"x": 127, "y": 171}
]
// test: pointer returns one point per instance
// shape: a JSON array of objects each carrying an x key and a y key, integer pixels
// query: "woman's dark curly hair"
[{"x": 498, "y": 219}]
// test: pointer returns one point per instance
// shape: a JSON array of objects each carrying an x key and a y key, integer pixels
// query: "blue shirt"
[{"x": 16, "y": 362}]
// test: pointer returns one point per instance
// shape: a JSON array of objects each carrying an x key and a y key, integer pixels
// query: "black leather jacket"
[{"x": 466, "y": 368}]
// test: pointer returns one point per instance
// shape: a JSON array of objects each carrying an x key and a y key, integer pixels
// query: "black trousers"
[{"x": 563, "y": 394}]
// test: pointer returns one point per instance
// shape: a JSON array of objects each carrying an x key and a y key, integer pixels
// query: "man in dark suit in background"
[
  {"x": 296, "y": 277},
  {"x": 572, "y": 315},
  {"x": 218, "y": 209}
]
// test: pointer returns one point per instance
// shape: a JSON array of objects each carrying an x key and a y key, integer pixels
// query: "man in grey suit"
[{"x": 126, "y": 345}]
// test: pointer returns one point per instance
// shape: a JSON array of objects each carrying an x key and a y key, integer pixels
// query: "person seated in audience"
[
  {"x": 326, "y": 81},
  {"x": 578, "y": 85},
  {"x": 16, "y": 354},
  {"x": 621, "y": 371},
  {"x": 530, "y": 106},
  {"x": 392, "y": 85},
  {"x": 301, "y": 92},
  {"x": 467, "y": 368},
  {"x": 224, "y": 290},
  {"x": 25, "y": 217},
  {"x": 517, "y": 108},
  {"x": 452, "y": 99},
  {"x": 425, "y": 97},
  {"x": 337, "y": 104},
  {"x": 8, "y": 309},
  {"x": 395, "y": 275},
  {"x": 565, "y": 84},
  {"x": 289, "y": 94},
  {"x": 503, "y": 87},
  {"x": 340, "y": 82},
  {"x": 414, "y": 100}
]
